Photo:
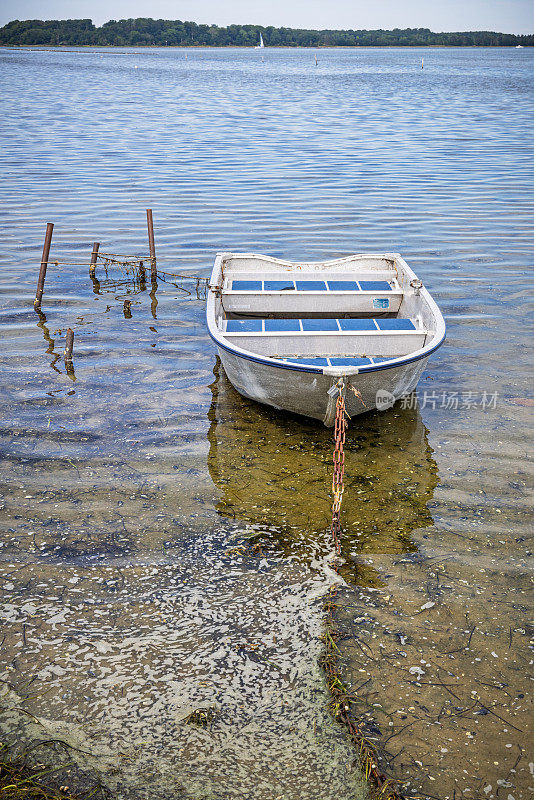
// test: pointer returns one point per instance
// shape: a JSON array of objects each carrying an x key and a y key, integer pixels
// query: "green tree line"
[{"x": 172, "y": 33}]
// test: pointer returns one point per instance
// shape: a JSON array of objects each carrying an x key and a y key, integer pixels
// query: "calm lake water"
[{"x": 165, "y": 546}]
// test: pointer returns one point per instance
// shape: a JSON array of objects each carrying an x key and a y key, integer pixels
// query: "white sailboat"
[{"x": 261, "y": 44}]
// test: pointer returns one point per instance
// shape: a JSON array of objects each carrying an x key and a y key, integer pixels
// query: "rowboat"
[{"x": 293, "y": 335}]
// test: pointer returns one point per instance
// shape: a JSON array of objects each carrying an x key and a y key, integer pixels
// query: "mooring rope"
[
  {"x": 55, "y": 262},
  {"x": 129, "y": 261},
  {"x": 102, "y": 254},
  {"x": 126, "y": 261},
  {"x": 197, "y": 278}
]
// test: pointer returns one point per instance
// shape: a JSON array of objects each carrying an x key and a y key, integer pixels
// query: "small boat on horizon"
[
  {"x": 295, "y": 335},
  {"x": 260, "y": 45}
]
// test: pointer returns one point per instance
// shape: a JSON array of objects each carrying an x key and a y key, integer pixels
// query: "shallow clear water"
[{"x": 164, "y": 542}]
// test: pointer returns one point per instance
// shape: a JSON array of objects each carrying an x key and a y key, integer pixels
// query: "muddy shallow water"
[{"x": 165, "y": 548}]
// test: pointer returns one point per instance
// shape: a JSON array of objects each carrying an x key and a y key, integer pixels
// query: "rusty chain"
[
  {"x": 368, "y": 758},
  {"x": 387, "y": 787},
  {"x": 340, "y": 425}
]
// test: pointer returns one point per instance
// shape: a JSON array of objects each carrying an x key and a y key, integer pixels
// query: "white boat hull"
[{"x": 306, "y": 393}]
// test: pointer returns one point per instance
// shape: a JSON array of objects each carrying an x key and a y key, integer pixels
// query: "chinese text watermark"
[{"x": 440, "y": 399}]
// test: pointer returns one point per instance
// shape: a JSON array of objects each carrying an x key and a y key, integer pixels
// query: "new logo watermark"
[{"x": 384, "y": 400}]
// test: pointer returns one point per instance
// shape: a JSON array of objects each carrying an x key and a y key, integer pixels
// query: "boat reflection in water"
[{"x": 274, "y": 471}]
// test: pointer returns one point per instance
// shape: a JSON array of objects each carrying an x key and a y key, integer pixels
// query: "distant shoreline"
[
  {"x": 144, "y": 32},
  {"x": 76, "y": 48}
]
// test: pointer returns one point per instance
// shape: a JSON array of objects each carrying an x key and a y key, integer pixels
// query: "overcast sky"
[{"x": 509, "y": 16}]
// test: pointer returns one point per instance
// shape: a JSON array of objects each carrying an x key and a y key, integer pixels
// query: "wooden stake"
[
  {"x": 69, "y": 344},
  {"x": 94, "y": 254},
  {"x": 44, "y": 264},
  {"x": 151, "y": 245}
]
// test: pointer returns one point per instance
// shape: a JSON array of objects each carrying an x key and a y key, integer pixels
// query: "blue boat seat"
[
  {"x": 302, "y": 294},
  {"x": 344, "y": 342},
  {"x": 338, "y": 361},
  {"x": 244, "y": 326},
  {"x": 247, "y": 286},
  {"x": 282, "y": 325},
  {"x": 357, "y": 324},
  {"x": 374, "y": 286},
  {"x": 317, "y": 362},
  {"x": 344, "y": 286},
  {"x": 395, "y": 324},
  {"x": 313, "y": 325},
  {"x": 349, "y": 362},
  {"x": 309, "y": 325},
  {"x": 309, "y": 286},
  {"x": 275, "y": 286}
]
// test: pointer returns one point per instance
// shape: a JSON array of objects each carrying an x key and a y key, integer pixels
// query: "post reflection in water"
[
  {"x": 49, "y": 341},
  {"x": 274, "y": 471}
]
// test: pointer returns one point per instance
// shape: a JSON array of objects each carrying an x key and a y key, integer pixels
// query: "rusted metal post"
[
  {"x": 69, "y": 344},
  {"x": 94, "y": 255},
  {"x": 127, "y": 309},
  {"x": 151, "y": 245},
  {"x": 44, "y": 264}
]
